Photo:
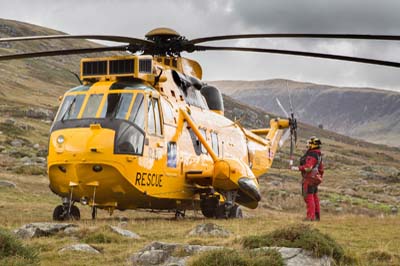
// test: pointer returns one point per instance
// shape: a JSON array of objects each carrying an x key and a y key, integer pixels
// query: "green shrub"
[
  {"x": 30, "y": 170},
  {"x": 299, "y": 236},
  {"x": 100, "y": 238},
  {"x": 381, "y": 258},
  {"x": 13, "y": 252},
  {"x": 230, "y": 257},
  {"x": 220, "y": 257},
  {"x": 269, "y": 257}
]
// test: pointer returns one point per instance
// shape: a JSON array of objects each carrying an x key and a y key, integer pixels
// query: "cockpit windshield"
[
  {"x": 70, "y": 108},
  {"x": 124, "y": 106},
  {"x": 116, "y": 105},
  {"x": 120, "y": 107}
]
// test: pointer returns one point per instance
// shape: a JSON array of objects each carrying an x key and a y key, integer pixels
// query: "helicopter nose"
[{"x": 248, "y": 186}]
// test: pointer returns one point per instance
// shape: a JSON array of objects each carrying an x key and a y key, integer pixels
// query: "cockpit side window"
[
  {"x": 151, "y": 127},
  {"x": 137, "y": 113},
  {"x": 70, "y": 108},
  {"x": 92, "y": 106}
]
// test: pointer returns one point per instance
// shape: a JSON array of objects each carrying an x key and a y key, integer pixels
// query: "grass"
[
  {"x": 14, "y": 252},
  {"x": 357, "y": 234}
]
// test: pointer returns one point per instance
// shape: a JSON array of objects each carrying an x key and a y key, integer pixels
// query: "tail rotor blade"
[
  {"x": 284, "y": 138},
  {"x": 281, "y": 106}
]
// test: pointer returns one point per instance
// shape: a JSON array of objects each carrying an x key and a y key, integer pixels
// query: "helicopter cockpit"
[{"x": 118, "y": 106}]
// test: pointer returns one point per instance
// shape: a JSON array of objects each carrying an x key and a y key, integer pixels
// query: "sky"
[{"x": 201, "y": 18}]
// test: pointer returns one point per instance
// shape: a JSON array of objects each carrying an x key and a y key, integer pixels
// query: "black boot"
[{"x": 317, "y": 218}]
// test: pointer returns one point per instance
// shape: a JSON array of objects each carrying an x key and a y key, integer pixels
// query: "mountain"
[
  {"x": 369, "y": 114},
  {"x": 43, "y": 80}
]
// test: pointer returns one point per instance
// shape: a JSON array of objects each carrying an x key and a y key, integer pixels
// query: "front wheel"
[
  {"x": 59, "y": 213},
  {"x": 75, "y": 214},
  {"x": 236, "y": 212}
]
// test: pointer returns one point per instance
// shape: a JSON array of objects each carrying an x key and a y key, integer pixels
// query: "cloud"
[{"x": 195, "y": 19}]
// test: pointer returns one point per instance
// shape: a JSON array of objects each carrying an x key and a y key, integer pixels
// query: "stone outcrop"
[
  {"x": 80, "y": 248},
  {"x": 299, "y": 257},
  {"x": 209, "y": 229},
  {"x": 123, "y": 232},
  {"x": 9, "y": 184},
  {"x": 167, "y": 254},
  {"x": 41, "y": 229}
]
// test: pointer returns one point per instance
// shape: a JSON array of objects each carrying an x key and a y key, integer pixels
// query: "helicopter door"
[{"x": 154, "y": 141}]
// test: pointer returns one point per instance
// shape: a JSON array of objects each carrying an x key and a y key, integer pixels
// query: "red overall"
[{"x": 309, "y": 186}]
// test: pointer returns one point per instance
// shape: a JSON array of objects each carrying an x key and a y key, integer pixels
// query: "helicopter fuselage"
[{"x": 127, "y": 144}]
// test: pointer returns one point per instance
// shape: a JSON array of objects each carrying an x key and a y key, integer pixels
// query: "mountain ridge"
[{"x": 369, "y": 114}]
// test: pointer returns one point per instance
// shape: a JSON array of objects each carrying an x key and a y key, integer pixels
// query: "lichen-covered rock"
[
  {"x": 167, "y": 254},
  {"x": 209, "y": 229},
  {"x": 123, "y": 232},
  {"x": 41, "y": 229},
  {"x": 5, "y": 183},
  {"x": 299, "y": 257},
  {"x": 80, "y": 248}
]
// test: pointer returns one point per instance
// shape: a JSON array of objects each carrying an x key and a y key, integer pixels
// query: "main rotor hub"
[
  {"x": 168, "y": 42},
  {"x": 162, "y": 33}
]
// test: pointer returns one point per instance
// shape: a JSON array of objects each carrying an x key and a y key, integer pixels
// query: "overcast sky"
[{"x": 200, "y": 18}]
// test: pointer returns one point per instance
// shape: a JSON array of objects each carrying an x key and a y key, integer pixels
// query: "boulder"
[
  {"x": 80, "y": 248},
  {"x": 123, "y": 232},
  {"x": 16, "y": 143},
  {"x": 299, "y": 257},
  {"x": 209, "y": 229},
  {"x": 39, "y": 113},
  {"x": 41, "y": 229},
  {"x": 9, "y": 184},
  {"x": 150, "y": 257},
  {"x": 167, "y": 254}
]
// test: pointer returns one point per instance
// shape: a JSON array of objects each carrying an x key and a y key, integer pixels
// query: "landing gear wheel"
[
  {"x": 74, "y": 214},
  {"x": 221, "y": 212},
  {"x": 94, "y": 212},
  {"x": 59, "y": 213},
  {"x": 179, "y": 214},
  {"x": 209, "y": 206},
  {"x": 236, "y": 212}
]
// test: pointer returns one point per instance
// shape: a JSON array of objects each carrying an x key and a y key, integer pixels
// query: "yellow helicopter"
[{"x": 144, "y": 132}]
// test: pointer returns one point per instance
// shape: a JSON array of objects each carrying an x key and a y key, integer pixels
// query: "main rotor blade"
[
  {"x": 63, "y": 52},
  {"x": 300, "y": 53},
  {"x": 90, "y": 37},
  {"x": 298, "y": 35}
]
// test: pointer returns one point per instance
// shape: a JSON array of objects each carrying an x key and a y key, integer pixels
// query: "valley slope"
[{"x": 369, "y": 114}]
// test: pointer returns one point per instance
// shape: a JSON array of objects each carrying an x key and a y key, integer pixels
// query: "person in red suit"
[{"x": 312, "y": 171}]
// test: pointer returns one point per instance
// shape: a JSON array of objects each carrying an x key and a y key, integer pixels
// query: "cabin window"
[
  {"x": 204, "y": 134},
  {"x": 137, "y": 113},
  {"x": 71, "y": 106},
  {"x": 92, "y": 105},
  {"x": 157, "y": 116},
  {"x": 153, "y": 117},
  {"x": 168, "y": 114},
  {"x": 171, "y": 155},
  {"x": 214, "y": 142},
  {"x": 195, "y": 141},
  {"x": 116, "y": 105}
]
